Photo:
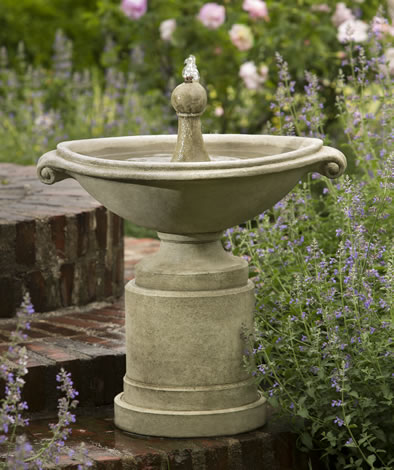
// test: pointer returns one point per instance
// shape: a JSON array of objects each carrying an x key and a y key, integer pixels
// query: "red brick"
[
  {"x": 58, "y": 231},
  {"x": 92, "y": 280},
  {"x": 108, "y": 283},
  {"x": 89, "y": 339},
  {"x": 34, "y": 390},
  {"x": 66, "y": 214},
  {"x": 284, "y": 446},
  {"x": 117, "y": 228},
  {"x": 106, "y": 335},
  {"x": 51, "y": 351},
  {"x": 101, "y": 227},
  {"x": 34, "y": 334},
  {"x": 83, "y": 233},
  {"x": 66, "y": 283},
  {"x": 36, "y": 285},
  {"x": 54, "y": 329},
  {"x": 73, "y": 320},
  {"x": 216, "y": 456},
  {"x": 119, "y": 269},
  {"x": 25, "y": 253},
  {"x": 253, "y": 455},
  {"x": 114, "y": 310},
  {"x": 96, "y": 316},
  {"x": 10, "y": 289}
]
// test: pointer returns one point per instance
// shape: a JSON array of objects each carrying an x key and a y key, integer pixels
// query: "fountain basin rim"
[{"x": 308, "y": 152}]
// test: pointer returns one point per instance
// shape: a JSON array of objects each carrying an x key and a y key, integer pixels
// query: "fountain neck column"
[
  {"x": 189, "y": 100},
  {"x": 190, "y": 144}
]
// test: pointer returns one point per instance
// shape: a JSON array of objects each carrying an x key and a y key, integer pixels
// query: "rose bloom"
[
  {"x": 167, "y": 29},
  {"x": 388, "y": 67},
  {"x": 251, "y": 76},
  {"x": 381, "y": 26},
  {"x": 219, "y": 111},
  {"x": 256, "y": 9},
  {"x": 342, "y": 13},
  {"x": 241, "y": 36},
  {"x": 134, "y": 9},
  {"x": 322, "y": 7},
  {"x": 212, "y": 15},
  {"x": 352, "y": 30},
  {"x": 263, "y": 71}
]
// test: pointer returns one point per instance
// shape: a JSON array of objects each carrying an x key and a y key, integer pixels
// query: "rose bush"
[{"x": 223, "y": 35}]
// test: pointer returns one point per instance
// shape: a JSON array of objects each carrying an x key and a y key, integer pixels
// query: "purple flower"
[{"x": 339, "y": 421}]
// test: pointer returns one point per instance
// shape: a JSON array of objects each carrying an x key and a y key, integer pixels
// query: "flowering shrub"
[
  {"x": 323, "y": 264},
  {"x": 16, "y": 452},
  {"x": 39, "y": 108},
  {"x": 223, "y": 35}
]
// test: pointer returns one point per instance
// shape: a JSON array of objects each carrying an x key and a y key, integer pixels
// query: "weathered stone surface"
[
  {"x": 56, "y": 242},
  {"x": 185, "y": 344}
]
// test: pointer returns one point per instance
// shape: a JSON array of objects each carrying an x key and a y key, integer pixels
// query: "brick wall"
[{"x": 57, "y": 242}]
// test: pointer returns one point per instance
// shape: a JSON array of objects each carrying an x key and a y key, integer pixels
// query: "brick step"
[
  {"x": 87, "y": 341},
  {"x": 57, "y": 242},
  {"x": 270, "y": 448}
]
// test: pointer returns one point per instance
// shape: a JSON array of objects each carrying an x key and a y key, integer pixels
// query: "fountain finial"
[
  {"x": 189, "y": 100},
  {"x": 190, "y": 71}
]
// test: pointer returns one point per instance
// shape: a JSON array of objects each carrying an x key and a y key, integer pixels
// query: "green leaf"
[
  {"x": 306, "y": 439},
  {"x": 310, "y": 392},
  {"x": 371, "y": 459},
  {"x": 303, "y": 412}
]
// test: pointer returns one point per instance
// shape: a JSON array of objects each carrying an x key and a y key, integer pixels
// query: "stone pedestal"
[{"x": 187, "y": 313}]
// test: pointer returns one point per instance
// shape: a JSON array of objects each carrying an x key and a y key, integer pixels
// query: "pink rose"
[
  {"x": 263, "y": 71},
  {"x": 219, "y": 111},
  {"x": 134, "y": 9},
  {"x": 241, "y": 36},
  {"x": 322, "y": 7},
  {"x": 381, "y": 26},
  {"x": 252, "y": 77},
  {"x": 212, "y": 15},
  {"x": 352, "y": 30},
  {"x": 389, "y": 54},
  {"x": 256, "y": 9},
  {"x": 167, "y": 29},
  {"x": 342, "y": 13}
]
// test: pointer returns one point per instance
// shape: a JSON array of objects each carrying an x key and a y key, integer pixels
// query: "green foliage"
[
  {"x": 35, "y": 22},
  {"x": 300, "y": 32},
  {"x": 40, "y": 107},
  {"x": 323, "y": 264}
]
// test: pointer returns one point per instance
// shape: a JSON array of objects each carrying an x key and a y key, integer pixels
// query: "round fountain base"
[
  {"x": 189, "y": 313},
  {"x": 208, "y": 423}
]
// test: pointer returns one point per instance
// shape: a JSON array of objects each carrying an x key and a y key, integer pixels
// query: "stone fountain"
[{"x": 191, "y": 302}]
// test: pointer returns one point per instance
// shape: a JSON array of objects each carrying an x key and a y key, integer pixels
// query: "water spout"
[
  {"x": 189, "y": 100},
  {"x": 190, "y": 71}
]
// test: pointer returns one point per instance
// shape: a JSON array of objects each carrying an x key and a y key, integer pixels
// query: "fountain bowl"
[{"x": 134, "y": 177}]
